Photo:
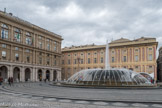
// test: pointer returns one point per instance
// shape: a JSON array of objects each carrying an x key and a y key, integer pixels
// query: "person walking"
[{"x": 9, "y": 81}]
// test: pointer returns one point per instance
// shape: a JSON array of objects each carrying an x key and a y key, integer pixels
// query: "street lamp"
[{"x": 78, "y": 62}]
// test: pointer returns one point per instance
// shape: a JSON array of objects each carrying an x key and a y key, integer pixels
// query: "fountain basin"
[{"x": 108, "y": 78}]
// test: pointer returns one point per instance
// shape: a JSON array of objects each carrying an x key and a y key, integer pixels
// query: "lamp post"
[{"x": 78, "y": 62}]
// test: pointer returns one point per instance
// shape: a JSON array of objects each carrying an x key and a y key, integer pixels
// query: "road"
[{"x": 107, "y": 98}]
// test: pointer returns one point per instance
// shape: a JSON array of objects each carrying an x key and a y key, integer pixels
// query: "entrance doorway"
[
  {"x": 48, "y": 75},
  {"x": 27, "y": 74},
  {"x": 3, "y": 73},
  {"x": 40, "y": 75},
  {"x": 16, "y": 74}
]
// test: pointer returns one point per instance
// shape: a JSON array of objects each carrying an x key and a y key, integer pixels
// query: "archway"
[
  {"x": 16, "y": 74},
  {"x": 27, "y": 74},
  {"x": 40, "y": 75},
  {"x": 48, "y": 75},
  {"x": 3, "y": 73},
  {"x": 55, "y": 75}
]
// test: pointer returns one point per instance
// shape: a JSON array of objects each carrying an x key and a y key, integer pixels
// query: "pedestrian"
[
  {"x": 0, "y": 81},
  {"x": 45, "y": 80},
  {"x": 9, "y": 81}
]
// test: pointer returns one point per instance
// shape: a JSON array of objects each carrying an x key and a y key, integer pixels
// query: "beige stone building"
[
  {"x": 28, "y": 52},
  {"x": 138, "y": 55}
]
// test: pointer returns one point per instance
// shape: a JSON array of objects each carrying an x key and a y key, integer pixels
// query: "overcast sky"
[{"x": 82, "y": 22}]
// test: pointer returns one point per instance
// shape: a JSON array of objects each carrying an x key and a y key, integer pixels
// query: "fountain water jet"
[{"x": 107, "y": 64}]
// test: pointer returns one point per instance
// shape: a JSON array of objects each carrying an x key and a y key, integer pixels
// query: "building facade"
[
  {"x": 138, "y": 55},
  {"x": 159, "y": 66},
  {"x": 28, "y": 52}
]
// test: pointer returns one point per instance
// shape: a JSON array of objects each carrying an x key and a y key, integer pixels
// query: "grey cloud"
[{"x": 92, "y": 21}]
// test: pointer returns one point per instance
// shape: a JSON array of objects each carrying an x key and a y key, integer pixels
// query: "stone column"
[
  {"x": 36, "y": 74},
  {"x": 33, "y": 78},
  {"x": 22, "y": 74},
  {"x": 59, "y": 75},
  {"x": 10, "y": 71},
  {"x": 44, "y": 74},
  {"x": 51, "y": 75}
]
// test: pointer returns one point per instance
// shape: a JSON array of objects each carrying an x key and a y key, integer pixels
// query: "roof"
[
  {"x": 121, "y": 40},
  {"x": 116, "y": 43},
  {"x": 26, "y": 23}
]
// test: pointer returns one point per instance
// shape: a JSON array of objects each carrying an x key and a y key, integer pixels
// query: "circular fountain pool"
[{"x": 107, "y": 78}]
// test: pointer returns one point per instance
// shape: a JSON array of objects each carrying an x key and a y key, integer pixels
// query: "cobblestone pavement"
[{"x": 11, "y": 98}]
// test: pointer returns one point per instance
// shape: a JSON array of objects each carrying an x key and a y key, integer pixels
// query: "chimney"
[{"x": 4, "y": 10}]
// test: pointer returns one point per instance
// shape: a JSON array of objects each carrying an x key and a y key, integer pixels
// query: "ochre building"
[
  {"x": 28, "y": 52},
  {"x": 138, "y": 55}
]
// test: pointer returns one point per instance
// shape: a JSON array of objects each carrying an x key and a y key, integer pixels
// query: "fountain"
[{"x": 108, "y": 77}]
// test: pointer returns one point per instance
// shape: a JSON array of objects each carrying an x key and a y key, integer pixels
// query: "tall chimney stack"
[{"x": 4, "y": 10}]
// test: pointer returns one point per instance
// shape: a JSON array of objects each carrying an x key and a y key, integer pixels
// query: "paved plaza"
[{"x": 43, "y": 95}]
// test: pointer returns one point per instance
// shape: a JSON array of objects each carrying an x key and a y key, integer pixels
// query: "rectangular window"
[
  {"x": 113, "y": 60},
  {"x": 40, "y": 44},
  {"x": 48, "y": 40},
  {"x": 55, "y": 46},
  {"x": 17, "y": 57},
  {"x": 75, "y": 61},
  {"x": 62, "y": 61},
  {"x": 4, "y": 46},
  {"x": 40, "y": 60},
  {"x": 28, "y": 59},
  {"x": 150, "y": 49},
  {"x": 28, "y": 40},
  {"x": 4, "y": 33},
  {"x": 95, "y": 60},
  {"x": 89, "y": 60},
  {"x": 89, "y": 53},
  {"x": 55, "y": 62},
  {"x": 4, "y": 26},
  {"x": 150, "y": 57},
  {"x": 48, "y": 61},
  {"x": 40, "y": 37},
  {"x": 4, "y": 55},
  {"x": 81, "y": 61},
  {"x": 27, "y": 50},
  {"x": 17, "y": 48},
  {"x": 136, "y": 58},
  {"x": 136, "y": 67},
  {"x": 17, "y": 37},
  {"x": 101, "y": 59},
  {"x": 136, "y": 50},
  {"x": 124, "y": 58},
  {"x": 48, "y": 46},
  {"x": 68, "y": 61},
  {"x": 27, "y": 33}
]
